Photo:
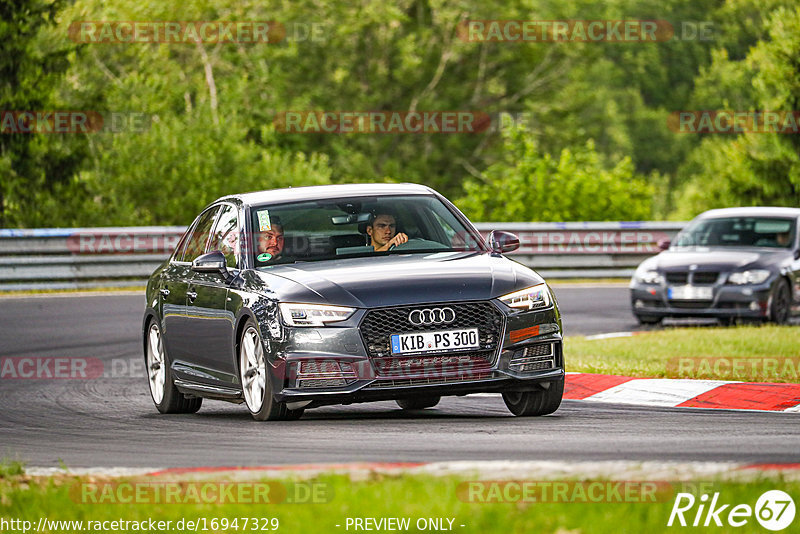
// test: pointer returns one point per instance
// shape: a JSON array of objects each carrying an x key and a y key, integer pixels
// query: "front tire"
[
  {"x": 165, "y": 395},
  {"x": 534, "y": 403},
  {"x": 256, "y": 386},
  {"x": 418, "y": 403},
  {"x": 647, "y": 319},
  {"x": 780, "y": 309}
]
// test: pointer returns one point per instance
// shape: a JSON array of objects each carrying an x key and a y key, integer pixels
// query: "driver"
[
  {"x": 382, "y": 230},
  {"x": 782, "y": 238}
]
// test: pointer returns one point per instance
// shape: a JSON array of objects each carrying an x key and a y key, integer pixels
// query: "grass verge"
[
  {"x": 749, "y": 353},
  {"x": 74, "y": 291},
  {"x": 408, "y": 496}
]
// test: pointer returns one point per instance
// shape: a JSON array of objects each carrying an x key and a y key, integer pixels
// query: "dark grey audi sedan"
[
  {"x": 297, "y": 298},
  {"x": 729, "y": 264}
]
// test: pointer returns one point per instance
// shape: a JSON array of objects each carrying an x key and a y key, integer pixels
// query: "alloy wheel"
[
  {"x": 253, "y": 371},
  {"x": 156, "y": 370}
]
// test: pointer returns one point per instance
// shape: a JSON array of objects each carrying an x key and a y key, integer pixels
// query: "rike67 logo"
[{"x": 774, "y": 510}]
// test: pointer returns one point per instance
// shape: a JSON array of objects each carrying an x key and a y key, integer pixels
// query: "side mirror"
[
  {"x": 501, "y": 242},
  {"x": 663, "y": 244},
  {"x": 213, "y": 262}
]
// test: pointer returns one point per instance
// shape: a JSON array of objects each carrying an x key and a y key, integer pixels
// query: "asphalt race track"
[{"x": 110, "y": 421}]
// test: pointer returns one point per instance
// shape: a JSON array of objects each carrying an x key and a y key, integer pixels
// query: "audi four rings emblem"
[{"x": 432, "y": 316}]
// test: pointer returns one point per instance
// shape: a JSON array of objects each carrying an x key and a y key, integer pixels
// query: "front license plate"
[
  {"x": 689, "y": 293},
  {"x": 465, "y": 338}
]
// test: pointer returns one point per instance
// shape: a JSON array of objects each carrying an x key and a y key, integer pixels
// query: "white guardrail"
[{"x": 74, "y": 258}]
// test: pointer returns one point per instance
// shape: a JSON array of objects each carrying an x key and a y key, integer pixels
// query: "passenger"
[
  {"x": 382, "y": 230},
  {"x": 270, "y": 244}
]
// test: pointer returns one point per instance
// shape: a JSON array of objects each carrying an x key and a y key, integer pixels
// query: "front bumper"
[
  {"x": 529, "y": 357},
  {"x": 727, "y": 301}
]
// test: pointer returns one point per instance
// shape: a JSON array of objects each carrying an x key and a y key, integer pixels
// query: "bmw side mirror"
[
  {"x": 663, "y": 244},
  {"x": 213, "y": 262},
  {"x": 501, "y": 241}
]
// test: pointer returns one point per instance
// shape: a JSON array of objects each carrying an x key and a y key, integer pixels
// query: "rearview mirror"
[
  {"x": 663, "y": 244},
  {"x": 501, "y": 241},
  {"x": 213, "y": 262}
]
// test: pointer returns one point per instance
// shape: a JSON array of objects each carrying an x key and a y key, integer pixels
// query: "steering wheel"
[{"x": 411, "y": 240}]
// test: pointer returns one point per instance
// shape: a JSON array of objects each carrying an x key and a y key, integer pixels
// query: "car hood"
[
  {"x": 399, "y": 279},
  {"x": 716, "y": 259}
]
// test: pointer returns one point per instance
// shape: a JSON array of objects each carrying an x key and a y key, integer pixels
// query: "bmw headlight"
[
  {"x": 295, "y": 314},
  {"x": 649, "y": 277},
  {"x": 756, "y": 276},
  {"x": 530, "y": 298}
]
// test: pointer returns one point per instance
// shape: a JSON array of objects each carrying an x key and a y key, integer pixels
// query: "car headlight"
[
  {"x": 756, "y": 276},
  {"x": 313, "y": 314},
  {"x": 530, "y": 298},
  {"x": 649, "y": 277}
]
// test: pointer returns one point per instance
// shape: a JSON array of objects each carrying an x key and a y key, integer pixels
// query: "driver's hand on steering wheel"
[{"x": 398, "y": 239}]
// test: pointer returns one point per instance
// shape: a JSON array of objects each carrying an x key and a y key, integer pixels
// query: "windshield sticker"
[
  {"x": 264, "y": 224},
  {"x": 771, "y": 227},
  {"x": 264, "y": 257}
]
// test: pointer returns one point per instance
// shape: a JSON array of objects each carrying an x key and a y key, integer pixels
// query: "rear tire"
[
  {"x": 418, "y": 403},
  {"x": 781, "y": 306},
  {"x": 256, "y": 385},
  {"x": 165, "y": 395},
  {"x": 534, "y": 403}
]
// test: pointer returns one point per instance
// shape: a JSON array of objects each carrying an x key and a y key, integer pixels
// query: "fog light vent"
[
  {"x": 324, "y": 373},
  {"x": 533, "y": 358}
]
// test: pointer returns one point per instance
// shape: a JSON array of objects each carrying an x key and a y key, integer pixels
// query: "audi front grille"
[{"x": 378, "y": 325}]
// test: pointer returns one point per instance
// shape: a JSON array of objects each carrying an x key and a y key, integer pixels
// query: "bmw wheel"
[
  {"x": 165, "y": 395},
  {"x": 256, "y": 387},
  {"x": 539, "y": 402},
  {"x": 781, "y": 303}
]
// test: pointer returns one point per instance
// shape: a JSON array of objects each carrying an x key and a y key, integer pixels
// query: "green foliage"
[
  {"x": 750, "y": 168},
  {"x": 31, "y": 67},
  {"x": 215, "y": 105},
  {"x": 11, "y": 468},
  {"x": 534, "y": 186},
  {"x": 169, "y": 173}
]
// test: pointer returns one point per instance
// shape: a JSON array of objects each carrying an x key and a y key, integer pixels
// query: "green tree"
[
  {"x": 750, "y": 168},
  {"x": 534, "y": 186},
  {"x": 31, "y": 68}
]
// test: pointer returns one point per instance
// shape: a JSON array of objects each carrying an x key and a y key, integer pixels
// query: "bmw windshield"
[
  {"x": 768, "y": 232},
  {"x": 350, "y": 227}
]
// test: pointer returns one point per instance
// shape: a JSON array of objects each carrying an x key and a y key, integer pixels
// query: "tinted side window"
[
  {"x": 197, "y": 242},
  {"x": 225, "y": 236},
  {"x": 178, "y": 253}
]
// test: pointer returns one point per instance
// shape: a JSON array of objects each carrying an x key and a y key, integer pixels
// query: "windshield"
[
  {"x": 738, "y": 232},
  {"x": 349, "y": 227}
]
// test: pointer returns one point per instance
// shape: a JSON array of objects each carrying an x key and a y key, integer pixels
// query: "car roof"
[
  {"x": 316, "y": 192},
  {"x": 757, "y": 211}
]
